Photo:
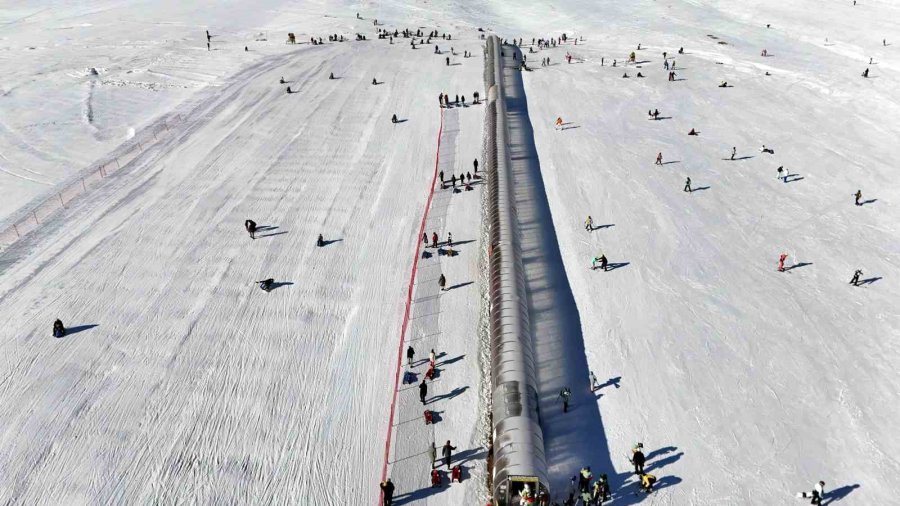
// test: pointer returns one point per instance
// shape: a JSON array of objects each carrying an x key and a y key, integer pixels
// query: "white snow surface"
[{"x": 745, "y": 385}]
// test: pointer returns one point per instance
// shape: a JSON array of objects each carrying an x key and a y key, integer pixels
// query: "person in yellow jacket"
[{"x": 647, "y": 481}]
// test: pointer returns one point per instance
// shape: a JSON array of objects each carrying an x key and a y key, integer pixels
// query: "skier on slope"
[
  {"x": 250, "y": 225},
  {"x": 423, "y": 391},
  {"x": 447, "y": 452},
  {"x": 266, "y": 284},
  {"x": 817, "y": 493},
  {"x": 854, "y": 281},
  {"x": 58, "y": 329},
  {"x": 781, "y": 260},
  {"x": 410, "y": 353}
]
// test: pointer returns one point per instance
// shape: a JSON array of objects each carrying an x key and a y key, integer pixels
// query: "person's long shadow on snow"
[{"x": 838, "y": 494}]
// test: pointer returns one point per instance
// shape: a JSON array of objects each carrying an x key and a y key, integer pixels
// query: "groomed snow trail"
[
  {"x": 182, "y": 380},
  {"x": 445, "y": 322}
]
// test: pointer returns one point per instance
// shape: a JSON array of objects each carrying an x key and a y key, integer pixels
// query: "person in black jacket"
[
  {"x": 58, "y": 329},
  {"x": 638, "y": 459},
  {"x": 423, "y": 391},
  {"x": 250, "y": 225},
  {"x": 447, "y": 452},
  {"x": 410, "y": 353},
  {"x": 387, "y": 490}
]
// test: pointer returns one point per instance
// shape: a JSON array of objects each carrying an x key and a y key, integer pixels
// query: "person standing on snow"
[
  {"x": 781, "y": 260},
  {"x": 659, "y": 158},
  {"x": 854, "y": 281},
  {"x": 450, "y": 234},
  {"x": 858, "y": 196},
  {"x": 601, "y": 489},
  {"x": 476, "y": 165},
  {"x": 410, "y": 353},
  {"x": 447, "y": 452},
  {"x": 425, "y": 238},
  {"x": 387, "y": 491},
  {"x": 250, "y": 225},
  {"x": 434, "y": 239},
  {"x": 589, "y": 224},
  {"x": 817, "y": 493},
  {"x": 453, "y": 180},
  {"x": 594, "y": 384},
  {"x": 733, "y": 152},
  {"x": 638, "y": 459},
  {"x": 432, "y": 358},
  {"x": 423, "y": 391},
  {"x": 687, "y": 185},
  {"x": 432, "y": 454},
  {"x": 442, "y": 282}
]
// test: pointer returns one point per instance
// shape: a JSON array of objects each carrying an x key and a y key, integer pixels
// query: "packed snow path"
[
  {"x": 446, "y": 322},
  {"x": 181, "y": 379}
]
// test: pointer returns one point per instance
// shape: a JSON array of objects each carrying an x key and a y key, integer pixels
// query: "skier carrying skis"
[
  {"x": 564, "y": 394},
  {"x": 589, "y": 224},
  {"x": 817, "y": 493},
  {"x": 250, "y": 225},
  {"x": 854, "y": 281},
  {"x": 442, "y": 282},
  {"x": 266, "y": 284},
  {"x": 781, "y": 260},
  {"x": 423, "y": 391},
  {"x": 58, "y": 329},
  {"x": 410, "y": 353},
  {"x": 858, "y": 196}
]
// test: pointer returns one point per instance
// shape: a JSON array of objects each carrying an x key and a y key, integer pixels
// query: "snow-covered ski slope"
[
  {"x": 745, "y": 385},
  {"x": 182, "y": 380}
]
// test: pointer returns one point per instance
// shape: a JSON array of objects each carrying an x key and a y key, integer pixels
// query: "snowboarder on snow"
[
  {"x": 442, "y": 282},
  {"x": 410, "y": 353},
  {"x": 564, "y": 394},
  {"x": 250, "y": 225},
  {"x": 387, "y": 490},
  {"x": 687, "y": 185},
  {"x": 58, "y": 329},
  {"x": 447, "y": 452},
  {"x": 817, "y": 493},
  {"x": 858, "y": 196},
  {"x": 423, "y": 391},
  {"x": 781, "y": 260},
  {"x": 266, "y": 284},
  {"x": 854, "y": 281}
]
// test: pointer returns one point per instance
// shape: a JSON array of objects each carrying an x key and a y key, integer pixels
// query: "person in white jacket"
[{"x": 817, "y": 493}]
